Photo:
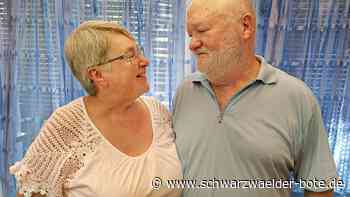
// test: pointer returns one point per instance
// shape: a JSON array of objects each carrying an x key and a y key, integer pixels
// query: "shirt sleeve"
[
  {"x": 315, "y": 162},
  {"x": 46, "y": 164}
]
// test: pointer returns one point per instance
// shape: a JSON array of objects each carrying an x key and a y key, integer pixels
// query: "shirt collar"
[{"x": 267, "y": 73}]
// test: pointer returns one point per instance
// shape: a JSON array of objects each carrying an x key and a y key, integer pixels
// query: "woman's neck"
[{"x": 107, "y": 106}]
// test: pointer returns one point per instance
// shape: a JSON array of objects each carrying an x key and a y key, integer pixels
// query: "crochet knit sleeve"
[{"x": 55, "y": 155}]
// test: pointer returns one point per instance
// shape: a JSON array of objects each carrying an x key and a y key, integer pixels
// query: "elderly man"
[{"x": 242, "y": 126}]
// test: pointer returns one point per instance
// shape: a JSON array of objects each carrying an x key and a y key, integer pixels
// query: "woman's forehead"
[{"x": 120, "y": 42}]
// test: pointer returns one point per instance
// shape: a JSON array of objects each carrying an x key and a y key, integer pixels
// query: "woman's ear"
[{"x": 95, "y": 76}]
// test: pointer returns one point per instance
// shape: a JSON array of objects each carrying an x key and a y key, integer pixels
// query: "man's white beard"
[{"x": 218, "y": 64}]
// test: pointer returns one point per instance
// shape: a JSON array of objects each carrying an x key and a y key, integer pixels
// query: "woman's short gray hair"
[{"x": 87, "y": 46}]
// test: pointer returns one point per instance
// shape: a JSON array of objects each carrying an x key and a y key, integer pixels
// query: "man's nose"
[{"x": 195, "y": 44}]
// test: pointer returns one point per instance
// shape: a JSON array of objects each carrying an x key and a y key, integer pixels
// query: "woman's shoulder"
[
  {"x": 70, "y": 117},
  {"x": 62, "y": 129},
  {"x": 158, "y": 110},
  {"x": 155, "y": 105},
  {"x": 71, "y": 109},
  {"x": 58, "y": 151},
  {"x": 70, "y": 125}
]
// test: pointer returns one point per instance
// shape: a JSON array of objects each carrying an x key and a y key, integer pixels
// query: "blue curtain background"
[{"x": 309, "y": 39}]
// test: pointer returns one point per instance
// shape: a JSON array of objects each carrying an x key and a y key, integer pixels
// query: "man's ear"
[{"x": 248, "y": 22}]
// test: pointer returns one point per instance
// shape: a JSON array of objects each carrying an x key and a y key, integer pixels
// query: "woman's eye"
[{"x": 130, "y": 55}]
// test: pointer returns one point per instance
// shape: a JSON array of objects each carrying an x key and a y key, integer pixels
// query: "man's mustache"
[{"x": 200, "y": 51}]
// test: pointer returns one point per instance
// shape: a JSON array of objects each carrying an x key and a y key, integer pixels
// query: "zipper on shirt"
[
  {"x": 220, "y": 117},
  {"x": 221, "y": 114}
]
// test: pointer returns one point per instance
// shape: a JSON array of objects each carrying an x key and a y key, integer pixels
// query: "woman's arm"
[
  {"x": 19, "y": 195},
  {"x": 34, "y": 195}
]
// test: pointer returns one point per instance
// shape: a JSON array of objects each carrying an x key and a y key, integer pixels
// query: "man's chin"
[
  {"x": 201, "y": 60},
  {"x": 215, "y": 79},
  {"x": 202, "y": 67},
  {"x": 205, "y": 72}
]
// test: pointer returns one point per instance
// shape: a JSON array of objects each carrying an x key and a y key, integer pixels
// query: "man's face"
[{"x": 215, "y": 40}]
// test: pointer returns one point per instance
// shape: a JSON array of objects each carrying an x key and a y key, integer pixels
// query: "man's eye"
[{"x": 201, "y": 30}]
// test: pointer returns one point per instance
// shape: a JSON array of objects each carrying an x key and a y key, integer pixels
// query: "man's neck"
[{"x": 238, "y": 80}]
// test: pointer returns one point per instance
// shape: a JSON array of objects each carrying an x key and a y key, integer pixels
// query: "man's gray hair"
[{"x": 87, "y": 46}]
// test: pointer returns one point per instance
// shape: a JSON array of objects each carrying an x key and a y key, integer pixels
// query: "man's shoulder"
[
  {"x": 293, "y": 87},
  {"x": 288, "y": 79},
  {"x": 190, "y": 79}
]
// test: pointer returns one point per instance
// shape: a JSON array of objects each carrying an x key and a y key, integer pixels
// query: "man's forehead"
[
  {"x": 203, "y": 17},
  {"x": 209, "y": 8}
]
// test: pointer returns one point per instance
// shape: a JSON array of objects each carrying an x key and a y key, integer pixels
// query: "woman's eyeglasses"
[{"x": 129, "y": 56}]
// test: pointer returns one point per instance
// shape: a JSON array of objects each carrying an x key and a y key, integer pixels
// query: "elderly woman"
[{"x": 113, "y": 142}]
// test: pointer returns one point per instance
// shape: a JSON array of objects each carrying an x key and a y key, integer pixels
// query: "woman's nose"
[{"x": 143, "y": 61}]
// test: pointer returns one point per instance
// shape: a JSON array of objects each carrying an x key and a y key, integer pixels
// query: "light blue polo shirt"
[{"x": 269, "y": 128}]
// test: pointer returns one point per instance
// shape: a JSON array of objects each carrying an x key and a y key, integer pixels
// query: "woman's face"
[{"x": 128, "y": 75}]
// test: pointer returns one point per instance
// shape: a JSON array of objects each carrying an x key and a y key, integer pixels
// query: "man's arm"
[{"x": 318, "y": 194}]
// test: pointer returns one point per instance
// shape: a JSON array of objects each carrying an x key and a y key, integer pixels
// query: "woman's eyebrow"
[{"x": 130, "y": 49}]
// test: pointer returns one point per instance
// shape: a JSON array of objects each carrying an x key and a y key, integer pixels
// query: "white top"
[{"x": 71, "y": 158}]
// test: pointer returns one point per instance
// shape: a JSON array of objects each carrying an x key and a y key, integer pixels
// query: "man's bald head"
[{"x": 223, "y": 7}]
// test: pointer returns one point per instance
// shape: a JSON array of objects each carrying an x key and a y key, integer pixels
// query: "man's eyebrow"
[{"x": 195, "y": 24}]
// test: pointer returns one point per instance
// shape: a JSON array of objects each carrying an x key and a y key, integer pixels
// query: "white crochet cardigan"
[{"x": 69, "y": 137}]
